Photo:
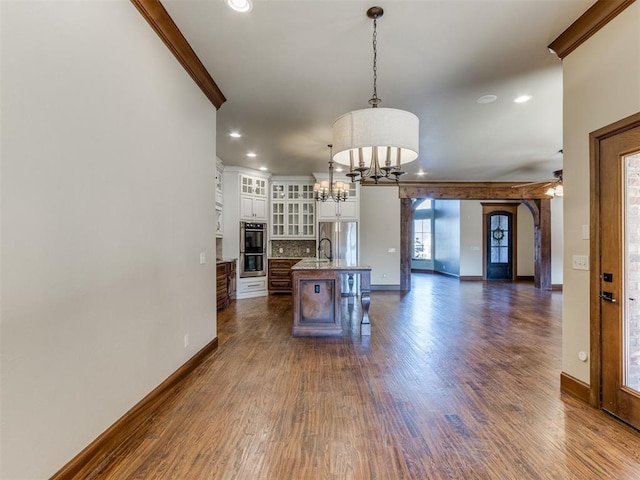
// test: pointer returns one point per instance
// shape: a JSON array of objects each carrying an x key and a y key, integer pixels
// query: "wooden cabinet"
[
  {"x": 293, "y": 210},
  {"x": 225, "y": 283},
  {"x": 253, "y": 198},
  {"x": 280, "y": 274},
  {"x": 253, "y": 208},
  {"x": 331, "y": 211},
  {"x": 338, "y": 211}
]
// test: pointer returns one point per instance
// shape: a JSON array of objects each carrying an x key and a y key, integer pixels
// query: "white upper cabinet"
[
  {"x": 293, "y": 209},
  {"x": 331, "y": 211},
  {"x": 253, "y": 198}
]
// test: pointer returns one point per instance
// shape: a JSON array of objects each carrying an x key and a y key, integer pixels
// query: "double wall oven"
[{"x": 253, "y": 249}]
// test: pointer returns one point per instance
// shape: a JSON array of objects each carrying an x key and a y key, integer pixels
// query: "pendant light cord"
[{"x": 375, "y": 100}]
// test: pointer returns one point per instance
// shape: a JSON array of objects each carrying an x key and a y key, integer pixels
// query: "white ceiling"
[{"x": 289, "y": 68}]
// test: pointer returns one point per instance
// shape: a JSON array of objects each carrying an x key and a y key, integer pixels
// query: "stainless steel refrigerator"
[{"x": 340, "y": 241}]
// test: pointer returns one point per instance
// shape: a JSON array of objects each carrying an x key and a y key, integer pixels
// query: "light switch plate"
[
  {"x": 581, "y": 262},
  {"x": 585, "y": 232}
]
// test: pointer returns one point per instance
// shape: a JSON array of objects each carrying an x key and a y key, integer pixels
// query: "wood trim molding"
[
  {"x": 574, "y": 387},
  {"x": 596, "y": 17},
  {"x": 102, "y": 446},
  {"x": 472, "y": 190},
  {"x": 154, "y": 13},
  {"x": 595, "y": 321},
  {"x": 556, "y": 287},
  {"x": 471, "y": 278},
  {"x": 406, "y": 214}
]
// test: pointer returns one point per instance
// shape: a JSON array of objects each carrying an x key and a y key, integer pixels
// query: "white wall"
[
  {"x": 601, "y": 86},
  {"x": 107, "y": 194},
  {"x": 471, "y": 238},
  {"x": 379, "y": 231},
  {"x": 526, "y": 245}
]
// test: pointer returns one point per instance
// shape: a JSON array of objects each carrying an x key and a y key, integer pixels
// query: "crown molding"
[
  {"x": 155, "y": 14},
  {"x": 596, "y": 17}
]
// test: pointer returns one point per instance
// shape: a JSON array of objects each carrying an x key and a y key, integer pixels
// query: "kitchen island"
[{"x": 317, "y": 295}]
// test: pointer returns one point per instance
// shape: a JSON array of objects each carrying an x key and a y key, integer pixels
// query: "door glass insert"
[
  {"x": 499, "y": 238},
  {"x": 631, "y": 285}
]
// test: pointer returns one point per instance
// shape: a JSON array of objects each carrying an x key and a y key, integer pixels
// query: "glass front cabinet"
[{"x": 293, "y": 210}]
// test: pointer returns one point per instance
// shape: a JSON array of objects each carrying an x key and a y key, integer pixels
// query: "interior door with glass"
[
  {"x": 619, "y": 213},
  {"x": 499, "y": 246}
]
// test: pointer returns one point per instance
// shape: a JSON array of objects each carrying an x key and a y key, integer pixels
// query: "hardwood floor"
[{"x": 459, "y": 380}]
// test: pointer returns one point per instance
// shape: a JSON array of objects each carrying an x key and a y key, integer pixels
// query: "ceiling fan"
[{"x": 555, "y": 189}]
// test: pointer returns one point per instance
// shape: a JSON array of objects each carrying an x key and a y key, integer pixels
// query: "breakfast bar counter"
[{"x": 316, "y": 296}]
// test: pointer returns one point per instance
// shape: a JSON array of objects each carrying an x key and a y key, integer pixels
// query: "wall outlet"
[
  {"x": 186, "y": 340},
  {"x": 203, "y": 258},
  {"x": 307, "y": 249},
  {"x": 280, "y": 250},
  {"x": 391, "y": 250}
]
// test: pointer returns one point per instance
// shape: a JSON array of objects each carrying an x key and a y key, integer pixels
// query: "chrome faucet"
[{"x": 330, "y": 256}]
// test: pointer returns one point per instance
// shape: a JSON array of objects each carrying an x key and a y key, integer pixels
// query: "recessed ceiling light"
[
  {"x": 235, "y": 135},
  {"x": 421, "y": 173},
  {"x": 242, "y": 6},
  {"x": 338, "y": 169},
  {"x": 487, "y": 99},
  {"x": 264, "y": 169},
  {"x": 252, "y": 155},
  {"x": 522, "y": 99}
]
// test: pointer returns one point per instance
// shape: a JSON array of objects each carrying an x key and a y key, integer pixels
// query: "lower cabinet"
[
  {"x": 280, "y": 274},
  {"x": 250, "y": 287},
  {"x": 225, "y": 283}
]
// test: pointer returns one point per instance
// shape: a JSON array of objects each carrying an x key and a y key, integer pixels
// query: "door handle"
[{"x": 608, "y": 297}]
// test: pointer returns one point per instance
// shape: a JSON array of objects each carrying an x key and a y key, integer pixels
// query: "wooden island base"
[{"x": 316, "y": 297}]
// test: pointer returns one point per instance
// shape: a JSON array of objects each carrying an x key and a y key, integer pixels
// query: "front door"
[
  {"x": 499, "y": 242},
  {"x": 619, "y": 282}
]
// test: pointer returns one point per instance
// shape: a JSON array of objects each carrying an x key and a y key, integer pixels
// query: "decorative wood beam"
[
  {"x": 154, "y": 13},
  {"x": 473, "y": 190},
  {"x": 406, "y": 214},
  {"x": 596, "y": 17},
  {"x": 541, "y": 211}
]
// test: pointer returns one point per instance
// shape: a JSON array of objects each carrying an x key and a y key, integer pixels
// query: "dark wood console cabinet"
[{"x": 225, "y": 283}]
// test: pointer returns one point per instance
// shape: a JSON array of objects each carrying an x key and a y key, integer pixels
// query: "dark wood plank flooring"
[{"x": 459, "y": 380}]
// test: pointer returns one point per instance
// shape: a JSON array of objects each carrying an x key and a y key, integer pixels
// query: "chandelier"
[
  {"x": 375, "y": 142},
  {"x": 325, "y": 190}
]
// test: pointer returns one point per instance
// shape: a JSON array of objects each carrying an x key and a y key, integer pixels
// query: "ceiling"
[{"x": 289, "y": 68}]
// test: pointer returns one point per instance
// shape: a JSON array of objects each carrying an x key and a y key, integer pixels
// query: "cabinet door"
[
  {"x": 349, "y": 210},
  {"x": 327, "y": 210},
  {"x": 260, "y": 208},
  {"x": 293, "y": 192},
  {"x": 246, "y": 185},
  {"x": 293, "y": 219},
  {"x": 260, "y": 188},
  {"x": 307, "y": 219},
  {"x": 246, "y": 208},
  {"x": 306, "y": 192},
  {"x": 278, "y": 192},
  {"x": 277, "y": 219}
]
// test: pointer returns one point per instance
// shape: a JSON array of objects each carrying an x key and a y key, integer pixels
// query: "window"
[{"x": 422, "y": 218}]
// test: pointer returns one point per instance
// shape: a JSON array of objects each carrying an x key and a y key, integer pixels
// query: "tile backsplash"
[{"x": 293, "y": 248}]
